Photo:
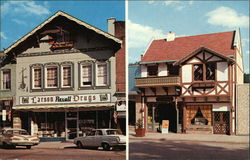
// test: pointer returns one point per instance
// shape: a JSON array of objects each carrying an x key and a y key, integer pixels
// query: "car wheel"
[
  {"x": 28, "y": 147},
  {"x": 106, "y": 146},
  {"x": 79, "y": 144}
]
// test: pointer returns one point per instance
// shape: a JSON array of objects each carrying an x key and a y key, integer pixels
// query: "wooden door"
[{"x": 221, "y": 123}]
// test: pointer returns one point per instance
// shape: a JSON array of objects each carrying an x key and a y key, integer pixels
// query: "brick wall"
[
  {"x": 242, "y": 119},
  {"x": 120, "y": 57}
]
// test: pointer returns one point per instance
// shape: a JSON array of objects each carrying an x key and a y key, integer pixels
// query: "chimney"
[
  {"x": 111, "y": 26},
  {"x": 170, "y": 36}
]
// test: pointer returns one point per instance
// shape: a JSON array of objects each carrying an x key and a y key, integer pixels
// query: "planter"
[{"x": 140, "y": 132}]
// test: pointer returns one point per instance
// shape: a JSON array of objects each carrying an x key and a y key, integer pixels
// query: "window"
[
  {"x": 37, "y": 77},
  {"x": 66, "y": 76},
  {"x": 6, "y": 80},
  {"x": 152, "y": 70},
  {"x": 210, "y": 71},
  {"x": 102, "y": 74},
  {"x": 204, "y": 73},
  {"x": 52, "y": 76},
  {"x": 86, "y": 73},
  {"x": 198, "y": 72}
]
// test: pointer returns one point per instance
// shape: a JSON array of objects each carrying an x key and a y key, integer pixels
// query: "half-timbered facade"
[
  {"x": 65, "y": 78},
  {"x": 191, "y": 82}
]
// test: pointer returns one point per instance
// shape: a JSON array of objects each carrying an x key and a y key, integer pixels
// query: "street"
[
  {"x": 54, "y": 152},
  {"x": 184, "y": 147}
]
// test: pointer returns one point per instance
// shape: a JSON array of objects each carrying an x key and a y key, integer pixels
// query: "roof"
[
  {"x": 202, "y": 49},
  {"x": 161, "y": 50},
  {"x": 57, "y": 14}
]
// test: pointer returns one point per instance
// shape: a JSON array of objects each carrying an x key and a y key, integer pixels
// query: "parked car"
[
  {"x": 105, "y": 138},
  {"x": 17, "y": 137}
]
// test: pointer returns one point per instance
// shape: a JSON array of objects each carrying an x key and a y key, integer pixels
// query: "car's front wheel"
[
  {"x": 28, "y": 147},
  {"x": 79, "y": 144},
  {"x": 106, "y": 146}
]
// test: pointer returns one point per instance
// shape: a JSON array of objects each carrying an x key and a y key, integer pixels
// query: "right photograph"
[{"x": 189, "y": 81}]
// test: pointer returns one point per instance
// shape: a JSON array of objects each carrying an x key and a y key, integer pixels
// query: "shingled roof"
[{"x": 162, "y": 50}]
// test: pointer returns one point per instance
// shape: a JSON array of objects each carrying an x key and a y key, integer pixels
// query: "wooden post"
[{"x": 184, "y": 119}]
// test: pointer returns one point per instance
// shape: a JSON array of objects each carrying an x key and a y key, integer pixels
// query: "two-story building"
[
  {"x": 7, "y": 90},
  {"x": 65, "y": 78},
  {"x": 191, "y": 82}
]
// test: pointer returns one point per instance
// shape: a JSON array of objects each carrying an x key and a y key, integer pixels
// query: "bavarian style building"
[
  {"x": 65, "y": 78},
  {"x": 191, "y": 81}
]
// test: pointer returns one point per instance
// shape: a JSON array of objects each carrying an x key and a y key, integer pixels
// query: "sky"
[
  {"x": 20, "y": 17},
  {"x": 148, "y": 20}
]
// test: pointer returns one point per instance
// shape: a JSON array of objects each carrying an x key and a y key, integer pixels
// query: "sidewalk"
[
  {"x": 190, "y": 137},
  {"x": 57, "y": 145}
]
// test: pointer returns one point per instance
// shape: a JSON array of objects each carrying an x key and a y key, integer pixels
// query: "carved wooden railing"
[
  {"x": 157, "y": 81},
  {"x": 58, "y": 45}
]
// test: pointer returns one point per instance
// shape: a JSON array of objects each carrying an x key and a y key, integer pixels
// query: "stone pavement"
[
  {"x": 190, "y": 137},
  {"x": 55, "y": 145}
]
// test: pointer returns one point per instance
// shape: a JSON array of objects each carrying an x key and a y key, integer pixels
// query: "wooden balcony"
[{"x": 157, "y": 81}]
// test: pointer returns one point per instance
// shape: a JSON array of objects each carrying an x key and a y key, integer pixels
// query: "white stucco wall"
[
  {"x": 144, "y": 72},
  {"x": 162, "y": 69},
  {"x": 187, "y": 73},
  {"x": 221, "y": 107},
  {"x": 222, "y": 71}
]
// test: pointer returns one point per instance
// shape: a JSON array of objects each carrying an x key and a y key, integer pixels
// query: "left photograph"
[{"x": 62, "y": 74}]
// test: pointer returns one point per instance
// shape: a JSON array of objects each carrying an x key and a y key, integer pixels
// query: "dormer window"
[{"x": 152, "y": 70}]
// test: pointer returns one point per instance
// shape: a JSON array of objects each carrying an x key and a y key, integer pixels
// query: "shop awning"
[{"x": 64, "y": 106}]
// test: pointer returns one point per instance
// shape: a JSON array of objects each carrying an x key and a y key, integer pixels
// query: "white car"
[
  {"x": 105, "y": 138},
  {"x": 17, "y": 137}
]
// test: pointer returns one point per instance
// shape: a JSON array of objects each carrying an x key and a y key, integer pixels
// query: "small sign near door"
[{"x": 165, "y": 126}]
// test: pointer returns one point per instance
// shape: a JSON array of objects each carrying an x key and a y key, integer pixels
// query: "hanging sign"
[
  {"x": 4, "y": 115},
  {"x": 165, "y": 126}
]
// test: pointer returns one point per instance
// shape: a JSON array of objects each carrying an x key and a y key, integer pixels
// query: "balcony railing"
[{"x": 157, "y": 81}]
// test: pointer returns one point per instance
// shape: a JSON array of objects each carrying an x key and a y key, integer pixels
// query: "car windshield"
[
  {"x": 17, "y": 132},
  {"x": 111, "y": 132}
]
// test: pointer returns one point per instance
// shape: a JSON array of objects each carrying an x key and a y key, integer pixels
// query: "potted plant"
[{"x": 139, "y": 130}]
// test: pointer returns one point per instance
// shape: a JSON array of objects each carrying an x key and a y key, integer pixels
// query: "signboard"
[
  {"x": 121, "y": 106},
  {"x": 66, "y": 99},
  {"x": 4, "y": 115},
  {"x": 165, "y": 126}
]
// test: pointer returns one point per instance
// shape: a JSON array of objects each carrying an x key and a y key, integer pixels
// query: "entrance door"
[
  {"x": 221, "y": 123},
  {"x": 71, "y": 128},
  {"x": 71, "y": 119}
]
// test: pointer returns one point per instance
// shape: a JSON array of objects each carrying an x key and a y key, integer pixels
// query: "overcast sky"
[
  {"x": 149, "y": 20},
  {"x": 20, "y": 17}
]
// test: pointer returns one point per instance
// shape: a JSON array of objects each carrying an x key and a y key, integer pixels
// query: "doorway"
[
  {"x": 71, "y": 125},
  {"x": 159, "y": 112},
  {"x": 221, "y": 123}
]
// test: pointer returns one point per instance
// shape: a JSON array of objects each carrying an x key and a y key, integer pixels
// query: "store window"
[
  {"x": 86, "y": 74},
  {"x": 66, "y": 76},
  {"x": 51, "y": 76},
  {"x": 152, "y": 70},
  {"x": 102, "y": 74},
  {"x": 50, "y": 124}
]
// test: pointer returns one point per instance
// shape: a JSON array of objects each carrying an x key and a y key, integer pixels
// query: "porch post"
[{"x": 184, "y": 119}]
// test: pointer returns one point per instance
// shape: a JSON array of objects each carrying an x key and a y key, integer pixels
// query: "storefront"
[
  {"x": 65, "y": 120},
  {"x": 5, "y": 112}
]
